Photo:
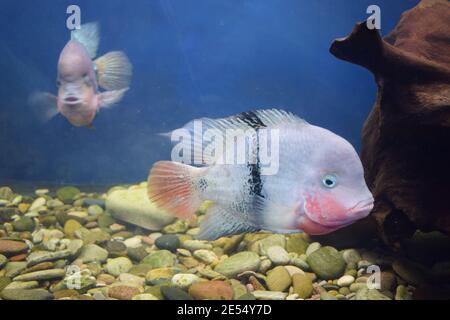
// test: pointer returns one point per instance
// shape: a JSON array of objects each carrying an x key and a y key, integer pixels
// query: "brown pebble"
[
  {"x": 211, "y": 290},
  {"x": 11, "y": 247},
  {"x": 39, "y": 267},
  {"x": 19, "y": 257},
  {"x": 65, "y": 293},
  {"x": 123, "y": 292}
]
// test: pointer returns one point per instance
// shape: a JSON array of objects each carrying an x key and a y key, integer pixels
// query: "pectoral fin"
[
  {"x": 44, "y": 105},
  {"x": 109, "y": 98},
  {"x": 114, "y": 71}
]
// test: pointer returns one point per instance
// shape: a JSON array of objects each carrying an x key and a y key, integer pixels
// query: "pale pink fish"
[
  {"x": 319, "y": 186},
  {"x": 79, "y": 78}
]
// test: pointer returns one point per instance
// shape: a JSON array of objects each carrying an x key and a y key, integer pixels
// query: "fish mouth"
[
  {"x": 72, "y": 100},
  {"x": 313, "y": 228}
]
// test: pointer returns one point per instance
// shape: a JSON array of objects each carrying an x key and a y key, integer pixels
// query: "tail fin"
[
  {"x": 114, "y": 70},
  {"x": 171, "y": 186},
  {"x": 89, "y": 37},
  {"x": 109, "y": 98}
]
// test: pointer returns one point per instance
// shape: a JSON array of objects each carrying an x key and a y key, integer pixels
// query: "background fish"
[
  {"x": 79, "y": 79},
  {"x": 319, "y": 186}
]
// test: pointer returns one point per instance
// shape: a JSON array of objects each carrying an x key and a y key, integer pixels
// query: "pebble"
[
  {"x": 95, "y": 210},
  {"x": 312, "y": 247},
  {"x": 22, "y": 285},
  {"x": 269, "y": 295},
  {"x": 270, "y": 241},
  {"x": 193, "y": 245},
  {"x": 327, "y": 263},
  {"x": 133, "y": 242},
  {"x": 70, "y": 227},
  {"x": 278, "y": 255},
  {"x": 39, "y": 202},
  {"x": 278, "y": 279},
  {"x": 238, "y": 263},
  {"x": 206, "y": 256},
  {"x": 144, "y": 296},
  {"x": 10, "y": 247},
  {"x": 159, "y": 259},
  {"x": 26, "y": 294},
  {"x": 370, "y": 294},
  {"x": 42, "y": 275},
  {"x": 116, "y": 248},
  {"x": 211, "y": 290},
  {"x": 93, "y": 253},
  {"x": 168, "y": 242},
  {"x": 185, "y": 280},
  {"x": 160, "y": 275},
  {"x": 37, "y": 257},
  {"x": 297, "y": 244},
  {"x": 3, "y": 260},
  {"x": 174, "y": 293},
  {"x": 345, "y": 281},
  {"x": 123, "y": 292},
  {"x": 118, "y": 266},
  {"x": 302, "y": 285},
  {"x": 24, "y": 224}
]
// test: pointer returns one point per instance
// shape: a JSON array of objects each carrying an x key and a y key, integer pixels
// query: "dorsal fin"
[
  {"x": 89, "y": 36},
  {"x": 246, "y": 120}
]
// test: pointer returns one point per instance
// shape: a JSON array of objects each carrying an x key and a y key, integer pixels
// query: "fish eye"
[{"x": 329, "y": 181}]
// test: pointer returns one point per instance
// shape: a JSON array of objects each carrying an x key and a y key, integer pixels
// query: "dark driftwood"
[{"x": 406, "y": 138}]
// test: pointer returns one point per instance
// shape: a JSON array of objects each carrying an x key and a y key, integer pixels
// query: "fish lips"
[
  {"x": 72, "y": 100},
  {"x": 361, "y": 210}
]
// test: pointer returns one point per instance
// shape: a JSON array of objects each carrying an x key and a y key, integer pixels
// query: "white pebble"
[
  {"x": 313, "y": 247},
  {"x": 278, "y": 255},
  {"x": 345, "y": 281}
]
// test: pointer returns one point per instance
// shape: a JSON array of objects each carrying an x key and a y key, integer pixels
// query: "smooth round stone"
[
  {"x": 134, "y": 242},
  {"x": 238, "y": 263},
  {"x": 296, "y": 243},
  {"x": 160, "y": 275},
  {"x": 193, "y": 245},
  {"x": 131, "y": 279},
  {"x": 179, "y": 226},
  {"x": 54, "y": 203},
  {"x": 137, "y": 254},
  {"x": 11, "y": 247},
  {"x": 39, "y": 202},
  {"x": 370, "y": 294},
  {"x": 345, "y": 281},
  {"x": 278, "y": 255},
  {"x": 133, "y": 206},
  {"x": 26, "y": 294},
  {"x": 116, "y": 248},
  {"x": 67, "y": 194},
  {"x": 95, "y": 210},
  {"x": 184, "y": 280},
  {"x": 144, "y": 296},
  {"x": 174, "y": 293},
  {"x": 123, "y": 292},
  {"x": 117, "y": 266},
  {"x": 3, "y": 260},
  {"x": 265, "y": 265},
  {"x": 91, "y": 202},
  {"x": 206, "y": 256},
  {"x": 168, "y": 242},
  {"x": 351, "y": 256},
  {"x": 93, "y": 252},
  {"x": 160, "y": 259},
  {"x": 302, "y": 285},
  {"x": 313, "y": 247},
  {"x": 3, "y": 203},
  {"x": 42, "y": 275},
  {"x": 271, "y": 241},
  {"x": 269, "y": 295},
  {"x": 326, "y": 263},
  {"x": 293, "y": 270},
  {"x": 211, "y": 290},
  {"x": 70, "y": 227},
  {"x": 105, "y": 220},
  {"x": 278, "y": 279},
  {"x": 24, "y": 224},
  {"x": 6, "y": 193},
  {"x": 22, "y": 285}
]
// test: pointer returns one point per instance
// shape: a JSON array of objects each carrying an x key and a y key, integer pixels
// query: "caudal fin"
[
  {"x": 114, "y": 71},
  {"x": 171, "y": 186}
]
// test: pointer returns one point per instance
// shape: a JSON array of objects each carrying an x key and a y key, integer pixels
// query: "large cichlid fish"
[
  {"x": 79, "y": 79},
  {"x": 319, "y": 186}
]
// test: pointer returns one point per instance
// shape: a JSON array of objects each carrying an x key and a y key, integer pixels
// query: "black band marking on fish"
[{"x": 255, "y": 181}]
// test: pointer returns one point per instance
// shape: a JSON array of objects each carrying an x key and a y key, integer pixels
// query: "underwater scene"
[{"x": 225, "y": 150}]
